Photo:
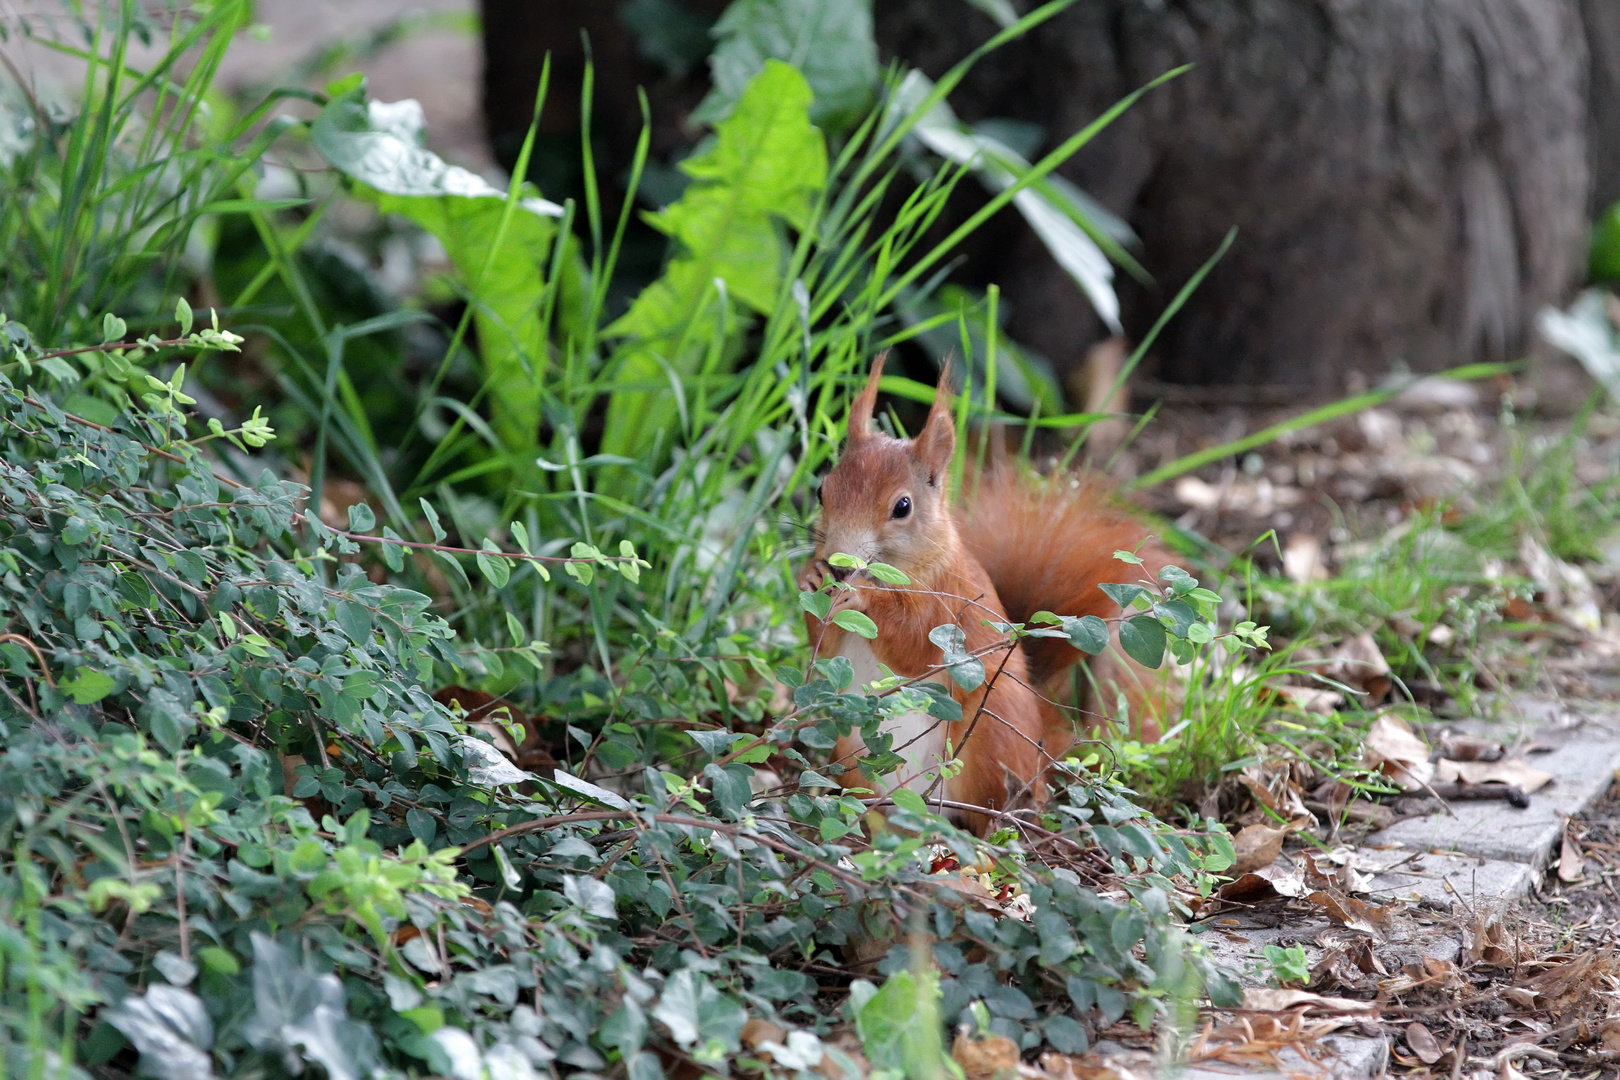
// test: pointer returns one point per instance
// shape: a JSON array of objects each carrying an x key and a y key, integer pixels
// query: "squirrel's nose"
[{"x": 840, "y": 573}]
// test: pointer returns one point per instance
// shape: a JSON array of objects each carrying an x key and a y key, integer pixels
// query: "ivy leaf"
[
  {"x": 576, "y": 786},
  {"x": 494, "y": 567},
  {"x": 300, "y": 1014},
  {"x": 361, "y": 518},
  {"x": 355, "y": 619},
  {"x": 1143, "y": 640},
  {"x": 182, "y": 315},
  {"x": 86, "y": 687},
  {"x": 899, "y": 1026},
  {"x": 696, "y": 1013},
  {"x": 591, "y": 896},
  {"x": 626, "y": 1029},
  {"x": 856, "y": 623},
  {"x": 112, "y": 328},
  {"x": 716, "y": 743},
  {"x": 170, "y": 1028}
]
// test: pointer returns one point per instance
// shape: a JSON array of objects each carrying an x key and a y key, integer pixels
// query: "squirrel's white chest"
[{"x": 918, "y": 738}]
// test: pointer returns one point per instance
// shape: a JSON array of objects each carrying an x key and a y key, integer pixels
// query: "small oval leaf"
[
  {"x": 493, "y": 566},
  {"x": 856, "y": 623},
  {"x": 1143, "y": 639}
]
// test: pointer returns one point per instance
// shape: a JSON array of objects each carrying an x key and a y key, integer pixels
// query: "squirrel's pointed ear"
[
  {"x": 936, "y": 443},
  {"x": 860, "y": 410}
]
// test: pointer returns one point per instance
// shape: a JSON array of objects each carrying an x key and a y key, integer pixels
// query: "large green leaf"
[
  {"x": 829, "y": 41},
  {"x": 378, "y": 146},
  {"x": 767, "y": 164},
  {"x": 900, "y": 1029}
]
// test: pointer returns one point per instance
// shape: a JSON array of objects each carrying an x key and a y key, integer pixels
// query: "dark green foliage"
[{"x": 171, "y": 664}]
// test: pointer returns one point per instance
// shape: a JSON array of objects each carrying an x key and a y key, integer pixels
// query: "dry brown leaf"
[
  {"x": 848, "y": 1049},
  {"x": 1266, "y": 883},
  {"x": 757, "y": 1031},
  {"x": 1315, "y": 700},
  {"x": 1347, "y": 911},
  {"x": 1266, "y": 999},
  {"x": 1459, "y": 747},
  {"x": 1565, "y": 590},
  {"x": 1431, "y": 974},
  {"x": 963, "y": 888},
  {"x": 1575, "y": 982},
  {"x": 1358, "y": 662},
  {"x": 987, "y": 1058},
  {"x": 1278, "y": 793},
  {"x": 1377, "y": 815},
  {"x": 1066, "y": 1067},
  {"x": 1609, "y": 1033},
  {"x": 1571, "y": 863},
  {"x": 1302, "y": 558},
  {"x": 1257, "y": 846},
  {"x": 1340, "y": 870},
  {"x": 1514, "y": 772},
  {"x": 1392, "y": 747},
  {"x": 1487, "y": 942},
  {"x": 1350, "y": 966},
  {"x": 1423, "y": 1043}
]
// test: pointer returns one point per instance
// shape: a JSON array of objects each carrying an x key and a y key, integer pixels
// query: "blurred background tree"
[{"x": 1410, "y": 183}]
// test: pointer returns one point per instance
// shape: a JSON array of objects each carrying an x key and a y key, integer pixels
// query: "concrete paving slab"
[
  {"x": 1584, "y": 768},
  {"x": 1347, "y": 1057},
  {"x": 1423, "y": 877}
]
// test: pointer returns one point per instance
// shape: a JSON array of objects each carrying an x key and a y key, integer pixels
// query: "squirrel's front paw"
[{"x": 814, "y": 575}]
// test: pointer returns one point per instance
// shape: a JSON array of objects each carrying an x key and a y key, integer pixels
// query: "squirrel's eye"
[{"x": 902, "y": 508}]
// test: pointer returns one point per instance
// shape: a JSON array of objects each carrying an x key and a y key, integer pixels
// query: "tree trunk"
[
  {"x": 1409, "y": 181},
  {"x": 518, "y": 37},
  {"x": 1603, "y": 37}
]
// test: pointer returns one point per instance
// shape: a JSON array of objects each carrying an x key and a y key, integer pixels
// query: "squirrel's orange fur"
[{"x": 1014, "y": 546}]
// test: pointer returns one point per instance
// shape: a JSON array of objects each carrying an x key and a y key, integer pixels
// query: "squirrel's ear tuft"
[
  {"x": 936, "y": 443},
  {"x": 860, "y": 410}
]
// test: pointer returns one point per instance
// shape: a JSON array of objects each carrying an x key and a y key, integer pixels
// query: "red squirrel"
[{"x": 1011, "y": 547}]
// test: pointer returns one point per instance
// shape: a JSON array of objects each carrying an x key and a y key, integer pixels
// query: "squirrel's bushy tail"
[{"x": 1047, "y": 544}]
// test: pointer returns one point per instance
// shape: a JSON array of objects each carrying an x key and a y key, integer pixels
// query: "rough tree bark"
[
  {"x": 1409, "y": 181},
  {"x": 1603, "y": 38}
]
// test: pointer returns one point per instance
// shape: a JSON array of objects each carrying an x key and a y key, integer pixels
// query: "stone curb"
[
  {"x": 1584, "y": 769},
  {"x": 1478, "y": 853}
]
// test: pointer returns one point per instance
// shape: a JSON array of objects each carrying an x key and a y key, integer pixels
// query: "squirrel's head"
[{"x": 886, "y": 499}]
